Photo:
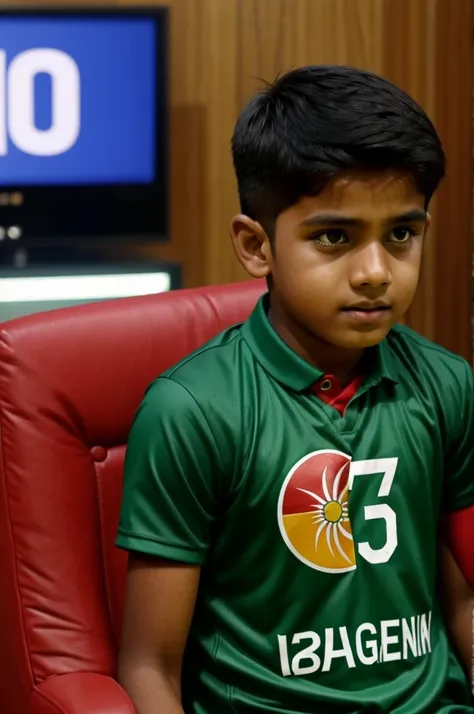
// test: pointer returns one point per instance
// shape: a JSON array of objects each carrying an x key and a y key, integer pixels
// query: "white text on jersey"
[{"x": 387, "y": 641}]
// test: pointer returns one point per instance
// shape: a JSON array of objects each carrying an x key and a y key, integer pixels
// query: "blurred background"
[{"x": 115, "y": 121}]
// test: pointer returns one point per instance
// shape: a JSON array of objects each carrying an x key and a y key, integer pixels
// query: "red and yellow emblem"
[{"x": 313, "y": 512}]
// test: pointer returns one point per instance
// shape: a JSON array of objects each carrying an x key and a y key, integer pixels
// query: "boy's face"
[{"x": 344, "y": 263}]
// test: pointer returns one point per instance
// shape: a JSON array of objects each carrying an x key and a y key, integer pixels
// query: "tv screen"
[
  {"x": 83, "y": 124},
  {"x": 81, "y": 101}
]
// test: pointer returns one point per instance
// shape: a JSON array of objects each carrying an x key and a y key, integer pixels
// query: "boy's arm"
[
  {"x": 458, "y": 606},
  {"x": 158, "y": 611},
  {"x": 173, "y": 479},
  {"x": 457, "y": 525}
]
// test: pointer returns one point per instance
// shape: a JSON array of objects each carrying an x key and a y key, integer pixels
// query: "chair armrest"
[{"x": 80, "y": 693}]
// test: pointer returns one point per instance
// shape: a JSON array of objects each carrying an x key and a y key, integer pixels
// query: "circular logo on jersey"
[{"x": 313, "y": 512}]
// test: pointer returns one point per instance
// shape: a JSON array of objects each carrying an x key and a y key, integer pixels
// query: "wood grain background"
[{"x": 218, "y": 50}]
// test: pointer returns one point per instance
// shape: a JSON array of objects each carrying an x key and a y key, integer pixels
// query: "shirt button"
[{"x": 326, "y": 384}]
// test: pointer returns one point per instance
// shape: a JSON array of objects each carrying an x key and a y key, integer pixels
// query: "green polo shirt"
[{"x": 316, "y": 532}]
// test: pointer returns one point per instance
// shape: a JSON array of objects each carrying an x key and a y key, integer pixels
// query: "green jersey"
[{"x": 316, "y": 531}]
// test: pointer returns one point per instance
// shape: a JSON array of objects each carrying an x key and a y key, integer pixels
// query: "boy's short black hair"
[{"x": 315, "y": 122}]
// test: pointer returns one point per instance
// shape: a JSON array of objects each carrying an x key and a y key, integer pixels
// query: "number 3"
[{"x": 381, "y": 511}]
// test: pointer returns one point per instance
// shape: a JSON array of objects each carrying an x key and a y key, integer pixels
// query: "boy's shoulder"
[
  {"x": 210, "y": 361},
  {"x": 208, "y": 376},
  {"x": 430, "y": 360}
]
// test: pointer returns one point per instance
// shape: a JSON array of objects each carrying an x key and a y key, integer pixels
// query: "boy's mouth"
[
  {"x": 367, "y": 307},
  {"x": 367, "y": 312}
]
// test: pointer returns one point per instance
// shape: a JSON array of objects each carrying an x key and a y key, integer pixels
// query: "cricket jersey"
[{"x": 315, "y": 527}]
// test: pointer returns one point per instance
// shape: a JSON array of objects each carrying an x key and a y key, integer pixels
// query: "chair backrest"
[{"x": 70, "y": 383}]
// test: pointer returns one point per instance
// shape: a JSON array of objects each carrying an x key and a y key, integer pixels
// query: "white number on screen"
[{"x": 17, "y": 102}]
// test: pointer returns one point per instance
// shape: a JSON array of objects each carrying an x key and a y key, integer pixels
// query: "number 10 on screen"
[{"x": 17, "y": 102}]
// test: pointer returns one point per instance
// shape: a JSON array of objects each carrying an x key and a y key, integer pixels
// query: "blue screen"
[{"x": 77, "y": 100}]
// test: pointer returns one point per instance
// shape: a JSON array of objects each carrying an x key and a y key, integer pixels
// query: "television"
[{"x": 83, "y": 125}]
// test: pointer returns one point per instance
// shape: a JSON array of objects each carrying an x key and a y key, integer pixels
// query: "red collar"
[{"x": 330, "y": 391}]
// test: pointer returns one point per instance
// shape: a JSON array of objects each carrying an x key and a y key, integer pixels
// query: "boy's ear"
[{"x": 251, "y": 245}]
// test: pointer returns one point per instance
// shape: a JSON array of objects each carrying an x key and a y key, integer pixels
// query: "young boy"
[{"x": 284, "y": 485}]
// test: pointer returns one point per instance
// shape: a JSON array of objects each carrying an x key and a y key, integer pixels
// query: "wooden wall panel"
[
  {"x": 219, "y": 49},
  {"x": 453, "y": 113}
]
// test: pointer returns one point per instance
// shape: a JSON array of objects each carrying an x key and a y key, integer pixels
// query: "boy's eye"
[
  {"x": 331, "y": 237},
  {"x": 401, "y": 234}
]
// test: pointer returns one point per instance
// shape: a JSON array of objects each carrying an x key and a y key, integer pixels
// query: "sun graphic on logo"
[
  {"x": 313, "y": 512},
  {"x": 331, "y": 513}
]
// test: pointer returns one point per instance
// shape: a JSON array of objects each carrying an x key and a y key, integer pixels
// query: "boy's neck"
[{"x": 343, "y": 364}]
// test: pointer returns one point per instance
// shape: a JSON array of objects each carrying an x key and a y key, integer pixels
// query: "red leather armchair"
[{"x": 70, "y": 383}]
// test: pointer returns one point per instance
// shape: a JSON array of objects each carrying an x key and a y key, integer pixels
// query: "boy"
[{"x": 284, "y": 484}]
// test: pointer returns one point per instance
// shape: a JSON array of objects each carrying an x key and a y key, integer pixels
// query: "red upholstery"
[{"x": 70, "y": 383}]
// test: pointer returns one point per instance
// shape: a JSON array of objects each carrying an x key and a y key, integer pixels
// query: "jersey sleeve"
[
  {"x": 171, "y": 477},
  {"x": 459, "y": 463}
]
